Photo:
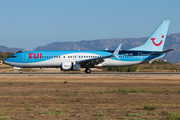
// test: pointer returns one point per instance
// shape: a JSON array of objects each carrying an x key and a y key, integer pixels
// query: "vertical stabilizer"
[{"x": 156, "y": 40}]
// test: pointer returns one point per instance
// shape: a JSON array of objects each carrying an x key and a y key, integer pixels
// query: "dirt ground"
[{"x": 89, "y": 97}]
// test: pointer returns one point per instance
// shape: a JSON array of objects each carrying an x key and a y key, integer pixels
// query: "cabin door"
[
  {"x": 140, "y": 56},
  {"x": 24, "y": 57}
]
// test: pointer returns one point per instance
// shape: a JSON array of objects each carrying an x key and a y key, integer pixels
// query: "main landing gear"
[
  {"x": 87, "y": 70},
  {"x": 20, "y": 71}
]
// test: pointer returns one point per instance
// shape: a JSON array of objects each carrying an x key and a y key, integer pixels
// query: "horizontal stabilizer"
[{"x": 157, "y": 53}]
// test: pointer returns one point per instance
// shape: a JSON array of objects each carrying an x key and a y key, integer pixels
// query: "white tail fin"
[{"x": 156, "y": 40}]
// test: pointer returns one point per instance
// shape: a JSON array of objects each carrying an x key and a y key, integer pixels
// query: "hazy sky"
[{"x": 31, "y": 23}]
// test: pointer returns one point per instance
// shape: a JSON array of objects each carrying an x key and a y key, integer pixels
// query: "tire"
[
  {"x": 88, "y": 70},
  {"x": 20, "y": 71}
]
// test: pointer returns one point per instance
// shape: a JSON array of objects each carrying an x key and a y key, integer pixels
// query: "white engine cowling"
[{"x": 70, "y": 66}]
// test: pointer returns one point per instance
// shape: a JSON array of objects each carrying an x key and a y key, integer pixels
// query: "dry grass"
[{"x": 89, "y": 97}]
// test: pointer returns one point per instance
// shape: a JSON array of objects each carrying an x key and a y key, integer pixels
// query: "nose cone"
[{"x": 5, "y": 61}]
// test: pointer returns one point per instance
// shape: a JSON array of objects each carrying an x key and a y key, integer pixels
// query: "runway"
[{"x": 92, "y": 74}]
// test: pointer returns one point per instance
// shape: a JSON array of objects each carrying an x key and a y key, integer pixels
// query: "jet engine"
[{"x": 70, "y": 66}]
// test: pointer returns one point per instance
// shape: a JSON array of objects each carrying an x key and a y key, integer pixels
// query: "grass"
[
  {"x": 63, "y": 102},
  {"x": 4, "y": 118},
  {"x": 53, "y": 112},
  {"x": 112, "y": 90},
  {"x": 165, "y": 89},
  {"x": 152, "y": 113},
  {"x": 66, "y": 93},
  {"x": 28, "y": 106},
  {"x": 133, "y": 103},
  {"x": 78, "y": 97},
  {"x": 132, "y": 114},
  {"x": 100, "y": 114},
  {"x": 173, "y": 116},
  {"x": 109, "y": 95},
  {"x": 93, "y": 90},
  {"x": 121, "y": 88},
  {"x": 150, "y": 107},
  {"x": 45, "y": 83},
  {"x": 66, "y": 108},
  {"x": 57, "y": 89},
  {"x": 31, "y": 83},
  {"x": 178, "y": 90},
  {"x": 3, "y": 112},
  {"x": 138, "y": 90}
]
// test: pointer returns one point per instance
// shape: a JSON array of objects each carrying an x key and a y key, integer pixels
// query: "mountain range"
[
  {"x": 7, "y": 49},
  {"x": 172, "y": 42}
]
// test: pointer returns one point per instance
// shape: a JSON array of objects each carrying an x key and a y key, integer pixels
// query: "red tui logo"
[{"x": 157, "y": 44}]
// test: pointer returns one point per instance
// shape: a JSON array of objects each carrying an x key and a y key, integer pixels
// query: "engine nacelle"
[{"x": 70, "y": 66}]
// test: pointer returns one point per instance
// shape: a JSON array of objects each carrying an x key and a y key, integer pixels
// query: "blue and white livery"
[{"x": 75, "y": 60}]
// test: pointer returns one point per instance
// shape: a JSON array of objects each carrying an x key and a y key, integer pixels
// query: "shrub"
[
  {"x": 4, "y": 118},
  {"x": 132, "y": 114},
  {"x": 57, "y": 89},
  {"x": 65, "y": 81},
  {"x": 28, "y": 106},
  {"x": 66, "y": 92},
  {"x": 32, "y": 83},
  {"x": 10, "y": 83},
  {"x": 121, "y": 89},
  {"x": 100, "y": 114},
  {"x": 136, "y": 89},
  {"x": 63, "y": 102},
  {"x": 173, "y": 116},
  {"x": 53, "y": 112},
  {"x": 78, "y": 97},
  {"x": 122, "y": 69},
  {"x": 148, "y": 107}
]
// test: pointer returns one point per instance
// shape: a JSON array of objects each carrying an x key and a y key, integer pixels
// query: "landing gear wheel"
[
  {"x": 87, "y": 70},
  {"x": 20, "y": 71}
]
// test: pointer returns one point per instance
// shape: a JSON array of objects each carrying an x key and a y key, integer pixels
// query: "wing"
[
  {"x": 92, "y": 62},
  {"x": 95, "y": 61}
]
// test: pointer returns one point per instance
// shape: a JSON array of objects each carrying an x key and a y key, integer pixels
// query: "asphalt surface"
[{"x": 90, "y": 74}]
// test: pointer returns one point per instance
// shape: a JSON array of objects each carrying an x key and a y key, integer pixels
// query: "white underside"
[{"x": 55, "y": 62}]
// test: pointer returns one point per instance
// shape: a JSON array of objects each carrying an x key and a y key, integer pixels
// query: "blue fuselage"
[{"x": 56, "y": 58}]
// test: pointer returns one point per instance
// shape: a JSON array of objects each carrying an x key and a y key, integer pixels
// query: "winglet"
[
  {"x": 115, "y": 53},
  {"x": 117, "y": 50}
]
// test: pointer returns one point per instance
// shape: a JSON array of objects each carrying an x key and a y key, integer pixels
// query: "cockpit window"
[{"x": 14, "y": 56}]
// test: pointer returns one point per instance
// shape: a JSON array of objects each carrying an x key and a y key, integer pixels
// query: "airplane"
[{"x": 74, "y": 60}]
